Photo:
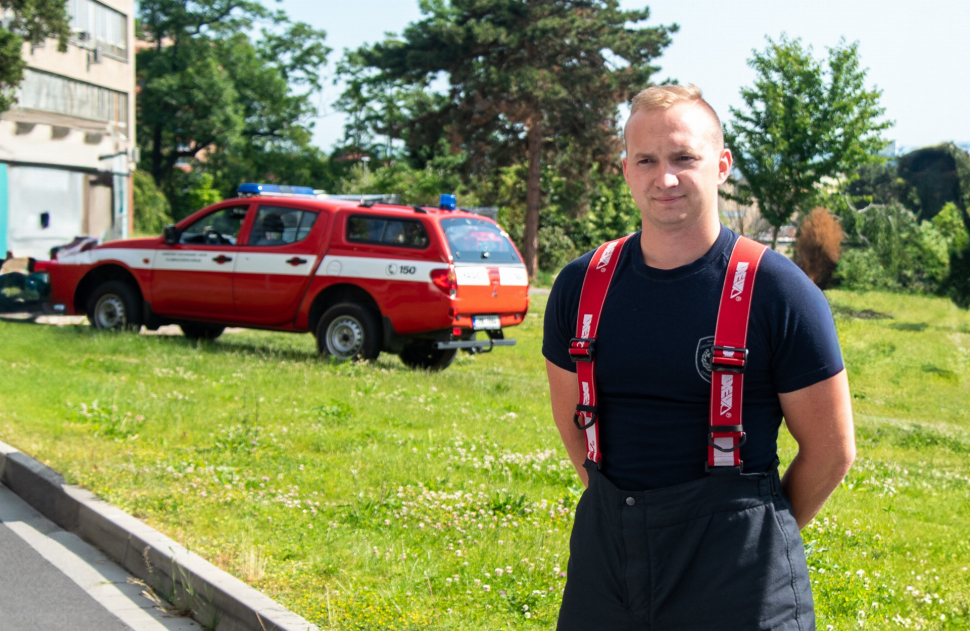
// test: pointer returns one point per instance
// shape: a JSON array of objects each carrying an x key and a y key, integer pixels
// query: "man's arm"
[
  {"x": 564, "y": 394},
  {"x": 819, "y": 418}
]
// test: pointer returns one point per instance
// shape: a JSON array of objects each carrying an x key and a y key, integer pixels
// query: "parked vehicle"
[{"x": 363, "y": 277}]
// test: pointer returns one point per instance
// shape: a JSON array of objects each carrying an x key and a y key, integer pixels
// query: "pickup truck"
[{"x": 364, "y": 278}]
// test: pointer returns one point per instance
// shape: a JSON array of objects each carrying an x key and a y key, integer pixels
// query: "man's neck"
[{"x": 669, "y": 249}]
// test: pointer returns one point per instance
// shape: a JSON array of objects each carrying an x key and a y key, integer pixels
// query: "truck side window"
[
  {"x": 407, "y": 233},
  {"x": 218, "y": 228},
  {"x": 277, "y": 225}
]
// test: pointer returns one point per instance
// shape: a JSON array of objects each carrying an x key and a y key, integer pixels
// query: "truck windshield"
[{"x": 478, "y": 241}]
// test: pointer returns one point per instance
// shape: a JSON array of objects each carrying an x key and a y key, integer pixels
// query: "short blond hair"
[{"x": 663, "y": 97}]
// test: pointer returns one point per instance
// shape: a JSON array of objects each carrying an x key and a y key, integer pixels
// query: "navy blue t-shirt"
[{"x": 653, "y": 358}]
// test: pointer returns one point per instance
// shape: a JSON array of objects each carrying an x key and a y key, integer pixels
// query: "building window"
[
  {"x": 95, "y": 25},
  {"x": 53, "y": 93}
]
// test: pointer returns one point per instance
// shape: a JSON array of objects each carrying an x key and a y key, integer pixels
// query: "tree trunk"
[
  {"x": 533, "y": 197},
  {"x": 157, "y": 155},
  {"x": 774, "y": 237}
]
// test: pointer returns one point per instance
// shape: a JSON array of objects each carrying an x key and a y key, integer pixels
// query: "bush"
[
  {"x": 555, "y": 249},
  {"x": 950, "y": 226},
  {"x": 151, "y": 209},
  {"x": 912, "y": 255},
  {"x": 861, "y": 269},
  {"x": 818, "y": 246}
]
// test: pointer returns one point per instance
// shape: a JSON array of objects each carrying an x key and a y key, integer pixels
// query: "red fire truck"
[{"x": 363, "y": 277}]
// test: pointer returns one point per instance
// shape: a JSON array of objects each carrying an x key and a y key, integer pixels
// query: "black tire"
[
  {"x": 423, "y": 355},
  {"x": 349, "y": 331},
  {"x": 201, "y": 331},
  {"x": 115, "y": 306}
]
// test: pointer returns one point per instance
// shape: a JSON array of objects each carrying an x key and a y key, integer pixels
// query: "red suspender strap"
[
  {"x": 582, "y": 348},
  {"x": 726, "y": 432}
]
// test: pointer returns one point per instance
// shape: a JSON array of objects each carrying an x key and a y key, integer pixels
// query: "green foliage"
[
  {"x": 899, "y": 252},
  {"x": 422, "y": 187},
  {"x": 151, "y": 208},
  {"x": 935, "y": 176},
  {"x": 201, "y": 194},
  {"x": 215, "y": 99},
  {"x": 534, "y": 82},
  {"x": 30, "y": 21},
  {"x": 802, "y": 121},
  {"x": 949, "y": 224}
]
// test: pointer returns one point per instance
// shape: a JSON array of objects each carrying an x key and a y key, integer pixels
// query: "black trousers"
[{"x": 720, "y": 553}]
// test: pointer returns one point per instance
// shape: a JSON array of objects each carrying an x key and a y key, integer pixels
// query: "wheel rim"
[
  {"x": 109, "y": 313},
  {"x": 345, "y": 337}
]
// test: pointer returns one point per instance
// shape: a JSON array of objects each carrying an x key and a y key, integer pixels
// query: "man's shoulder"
[{"x": 780, "y": 276}]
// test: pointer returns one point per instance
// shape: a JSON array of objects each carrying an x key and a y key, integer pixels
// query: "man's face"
[{"x": 673, "y": 167}]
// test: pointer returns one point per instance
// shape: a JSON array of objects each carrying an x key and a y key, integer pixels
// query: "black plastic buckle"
[
  {"x": 729, "y": 363},
  {"x": 581, "y": 349},
  {"x": 726, "y": 429},
  {"x": 594, "y": 415},
  {"x": 738, "y": 470}
]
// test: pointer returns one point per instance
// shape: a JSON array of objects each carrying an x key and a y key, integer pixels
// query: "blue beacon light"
[
  {"x": 271, "y": 189},
  {"x": 448, "y": 202}
]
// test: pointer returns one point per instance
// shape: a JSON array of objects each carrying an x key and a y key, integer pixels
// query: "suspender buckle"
[
  {"x": 729, "y": 359},
  {"x": 593, "y": 412},
  {"x": 726, "y": 429},
  {"x": 581, "y": 349}
]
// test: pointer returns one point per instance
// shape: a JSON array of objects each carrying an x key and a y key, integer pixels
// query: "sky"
[{"x": 917, "y": 53}]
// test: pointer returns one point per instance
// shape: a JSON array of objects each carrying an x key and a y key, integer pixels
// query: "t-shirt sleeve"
[
  {"x": 804, "y": 341},
  {"x": 559, "y": 325}
]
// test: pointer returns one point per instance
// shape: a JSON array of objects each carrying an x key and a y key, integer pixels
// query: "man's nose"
[{"x": 668, "y": 179}]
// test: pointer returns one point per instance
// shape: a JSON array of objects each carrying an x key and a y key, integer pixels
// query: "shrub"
[
  {"x": 912, "y": 255},
  {"x": 818, "y": 246},
  {"x": 861, "y": 269},
  {"x": 151, "y": 209},
  {"x": 950, "y": 226},
  {"x": 555, "y": 249}
]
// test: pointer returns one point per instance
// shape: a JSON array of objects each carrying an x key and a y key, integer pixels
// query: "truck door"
[
  {"x": 275, "y": 263},
  {"x": 194, "y": 276}
]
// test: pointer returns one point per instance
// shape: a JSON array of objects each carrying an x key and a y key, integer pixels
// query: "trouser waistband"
[{"x": 670, "y": 505}]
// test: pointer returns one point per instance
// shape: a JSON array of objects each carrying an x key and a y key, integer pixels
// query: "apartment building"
[{"x": 67, "y": 148}]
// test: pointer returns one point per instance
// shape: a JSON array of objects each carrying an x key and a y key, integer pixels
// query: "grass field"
[{"x": 374, "y": 497}]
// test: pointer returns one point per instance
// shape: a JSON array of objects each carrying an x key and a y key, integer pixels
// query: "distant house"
[{"x": 67, "y": 147}]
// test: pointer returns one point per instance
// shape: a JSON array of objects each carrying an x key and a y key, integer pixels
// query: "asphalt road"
[{"x": 52, "y": 580}]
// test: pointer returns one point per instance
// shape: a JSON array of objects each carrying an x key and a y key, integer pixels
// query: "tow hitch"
[{"x": 495, "y": 338}]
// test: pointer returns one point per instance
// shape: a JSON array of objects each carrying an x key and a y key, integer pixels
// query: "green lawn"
[{"x": 374, "y": 497}]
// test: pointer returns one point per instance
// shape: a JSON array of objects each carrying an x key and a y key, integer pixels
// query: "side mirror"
[{"x": 171, "y": 234}]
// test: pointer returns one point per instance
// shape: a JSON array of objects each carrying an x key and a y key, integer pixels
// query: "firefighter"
[{"x": 672, "y": 356}]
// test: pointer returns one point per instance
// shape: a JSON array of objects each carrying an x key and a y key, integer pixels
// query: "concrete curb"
[{"x": 217, "y": 600}]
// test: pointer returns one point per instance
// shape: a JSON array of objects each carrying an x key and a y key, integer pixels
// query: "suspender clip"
[
  {"x": 593, "y": 412},
  {"x": 581, "y": 349},
  {"x": 729, "y": 359},
  {"x": 726, "y": 429}
]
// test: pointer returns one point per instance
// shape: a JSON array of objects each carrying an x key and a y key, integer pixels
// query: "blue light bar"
[
  {"x": 448, "y": 202},
  {"x": 274, "y": 189}
]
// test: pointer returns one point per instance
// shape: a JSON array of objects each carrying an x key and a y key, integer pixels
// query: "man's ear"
[
  {"x": 724, "y": 165},
  {"x": 623, "y": 162}
]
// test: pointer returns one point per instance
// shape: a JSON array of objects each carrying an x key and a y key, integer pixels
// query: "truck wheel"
[
  {"x": 200, "y": 331},
  {"x": 115, "y": 306},
  {"x": 348, "y": 331},
  {"x": 423, "y": 355}
]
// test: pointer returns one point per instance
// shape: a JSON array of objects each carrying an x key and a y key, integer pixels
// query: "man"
[{"x": 661, "y": 541}]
